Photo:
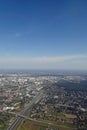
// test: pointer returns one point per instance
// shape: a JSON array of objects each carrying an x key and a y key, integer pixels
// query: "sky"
[{"x": 43, "y": 34}]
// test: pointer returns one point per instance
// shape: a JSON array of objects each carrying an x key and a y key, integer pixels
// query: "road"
[
  {"x": 18, "y": 118},
  {"x": 22, "y": 114},
  {"x": 43, "y": 122}
]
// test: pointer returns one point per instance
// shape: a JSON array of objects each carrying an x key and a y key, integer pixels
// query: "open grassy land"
[
  {"x": 29, "y": 125},
  {"x": 72, "y": 116},
  {"x": 4, "y": 120}
]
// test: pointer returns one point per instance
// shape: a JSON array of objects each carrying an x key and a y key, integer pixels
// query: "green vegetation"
[
  {"x": 4, "y": 120},
  {"x": 29, "y": 125},
  {"x": 77, "y": 86}
]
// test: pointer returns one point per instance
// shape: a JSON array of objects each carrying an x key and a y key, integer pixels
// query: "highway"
[
  {"x": 42, "y": 122},
  {"x": 22, "y": 113}
]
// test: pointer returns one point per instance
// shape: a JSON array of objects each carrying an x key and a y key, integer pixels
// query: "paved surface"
[
  {"x": 43, "y": 122},
  {"x": 20, "y": 116}
]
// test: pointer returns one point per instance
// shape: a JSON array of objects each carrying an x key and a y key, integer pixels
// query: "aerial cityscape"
[
  {"x": 43, "y": 101},
  {"x": 43, "y": 65}
]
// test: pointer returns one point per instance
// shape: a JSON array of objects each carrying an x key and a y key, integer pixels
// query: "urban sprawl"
[{"x": 43, "y": 102}]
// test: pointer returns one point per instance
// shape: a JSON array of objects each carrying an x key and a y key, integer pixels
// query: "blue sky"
[{"x": 43, "y": 34}]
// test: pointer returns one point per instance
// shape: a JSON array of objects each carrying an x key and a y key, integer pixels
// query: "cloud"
[{"x": 55, "y": 62}]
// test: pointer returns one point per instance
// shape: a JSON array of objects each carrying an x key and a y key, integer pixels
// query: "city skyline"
[{"x": 43, "y": 34}]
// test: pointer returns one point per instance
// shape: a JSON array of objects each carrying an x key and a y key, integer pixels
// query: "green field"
[{"x": 29, "y": 125}]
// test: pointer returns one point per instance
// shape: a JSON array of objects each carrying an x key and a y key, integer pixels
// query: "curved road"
[{"x": 18, "y": 118}]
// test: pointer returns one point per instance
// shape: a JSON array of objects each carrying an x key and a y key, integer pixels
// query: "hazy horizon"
[{"x": 43, "y": 34}]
